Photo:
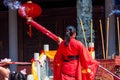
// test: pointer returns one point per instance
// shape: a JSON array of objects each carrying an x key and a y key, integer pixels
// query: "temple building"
[{"x": 19, "y": 40}]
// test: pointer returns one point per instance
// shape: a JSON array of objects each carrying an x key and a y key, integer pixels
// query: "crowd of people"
[{"x": 8, "y": 75}]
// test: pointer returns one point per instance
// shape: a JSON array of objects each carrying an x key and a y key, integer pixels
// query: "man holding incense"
[{"x": 73, "y": 60}]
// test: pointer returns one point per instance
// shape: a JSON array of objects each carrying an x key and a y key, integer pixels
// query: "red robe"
[{"x": 83, "y": 68}]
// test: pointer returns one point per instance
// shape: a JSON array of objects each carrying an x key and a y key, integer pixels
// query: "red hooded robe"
[{"x": 83, "y": 68}]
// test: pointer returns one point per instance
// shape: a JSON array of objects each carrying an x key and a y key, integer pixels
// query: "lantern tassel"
[{"x": 30, "y": 31}]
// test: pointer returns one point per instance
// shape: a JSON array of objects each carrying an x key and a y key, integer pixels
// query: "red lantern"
[{"x": 29, "y": 9}]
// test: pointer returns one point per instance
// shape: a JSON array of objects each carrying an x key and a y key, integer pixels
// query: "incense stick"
[
  {"x": 83, "y": 32},
  {"x": 21, "y": 63},
  {"x": 103, "y": 49},
  {"x": 118, "y": 25},
  {"x": 107, "y": 36},
  {"x": 91, "y": 29}
]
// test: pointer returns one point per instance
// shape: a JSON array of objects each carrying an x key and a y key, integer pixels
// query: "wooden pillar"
[
  {"x": 109, "y": 6},
  {"x": 13, "y": 38}
]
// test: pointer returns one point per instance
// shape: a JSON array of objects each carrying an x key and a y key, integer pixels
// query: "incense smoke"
[
  {"x": 114, "y": 12},
  {"x": 14, "y": 5}
]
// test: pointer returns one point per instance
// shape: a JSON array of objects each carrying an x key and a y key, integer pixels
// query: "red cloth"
[{"x": 73, "y": 70}]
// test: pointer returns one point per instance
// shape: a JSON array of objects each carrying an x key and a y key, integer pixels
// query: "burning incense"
[
  {"x": 103, "y": 49},
  {"x": 107, "y": 36},
  {"x": 44, "y": 30},
  {"x": 20, "y": 63},
  {"x": 118, "y": 25},
  {"x": 91, "y": 29},
  {"x": 83, "y": 32}
]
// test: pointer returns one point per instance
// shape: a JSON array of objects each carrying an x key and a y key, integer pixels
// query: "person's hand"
[
  {"x": 4, "y": 63},
  {"x": 59, "y": 40},
  {"x": 5, "y": 72}
]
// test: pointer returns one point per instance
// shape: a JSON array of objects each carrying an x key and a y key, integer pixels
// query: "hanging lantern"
[{"x": 29, "y": 10}]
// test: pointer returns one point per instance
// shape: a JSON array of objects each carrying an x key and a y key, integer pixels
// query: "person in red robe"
[{"x": 73, "y": 60}]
